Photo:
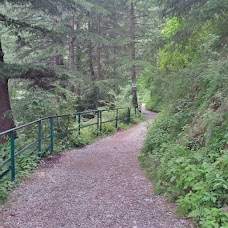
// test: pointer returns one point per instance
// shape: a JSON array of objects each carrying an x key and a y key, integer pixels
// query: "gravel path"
[{"x": 101, "y": 185}]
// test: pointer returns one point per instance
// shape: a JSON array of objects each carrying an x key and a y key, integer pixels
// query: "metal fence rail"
[{"x": 48, "y": 128}]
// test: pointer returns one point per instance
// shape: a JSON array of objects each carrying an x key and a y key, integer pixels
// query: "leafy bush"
[{"x": 196, "y": 178}]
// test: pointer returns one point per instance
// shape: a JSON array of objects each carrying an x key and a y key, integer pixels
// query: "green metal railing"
[{"x": 47, "y": 129}]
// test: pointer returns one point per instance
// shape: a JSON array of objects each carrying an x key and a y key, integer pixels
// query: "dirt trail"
[{"x": 101, "y": 185}]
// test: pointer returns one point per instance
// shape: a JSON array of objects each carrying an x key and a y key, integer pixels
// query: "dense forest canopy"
[{"x": 80, "y": 52}]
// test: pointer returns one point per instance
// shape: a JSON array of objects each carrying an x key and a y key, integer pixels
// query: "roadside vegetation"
[{"x": 186, "y": 148}]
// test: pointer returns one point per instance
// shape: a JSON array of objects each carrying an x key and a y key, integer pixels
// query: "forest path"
[{"x": 101, "y": 185}]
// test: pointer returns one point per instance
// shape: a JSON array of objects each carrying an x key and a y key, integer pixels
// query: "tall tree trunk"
[
  {"x": 98, "y": 54},
  {"x": 72, "y": 52},
  {"x": 6, "y": 121},
  {"x": 78, "y": 64},
  {"x": 90, "y": 52},
  {"x": 114, "y": 36},
  {"x": 106, "y": 47},
  {"x": 133, "y": 56},
  {"x": 56, "y": 60}
]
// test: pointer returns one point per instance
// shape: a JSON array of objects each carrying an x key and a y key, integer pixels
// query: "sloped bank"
[{"x": 186, "y": 153}]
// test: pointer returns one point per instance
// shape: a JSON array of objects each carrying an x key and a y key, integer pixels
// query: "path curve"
[{"x": 99, "y": 186}]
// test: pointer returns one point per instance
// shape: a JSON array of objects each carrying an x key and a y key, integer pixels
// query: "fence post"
[
  {"x": 117, "y": 115},
  {"x": 79, "y": 123},
  {"x": 128, "y": 115},
  {"x": 39, "y": 136},
  {"x": 51, "y": 134},
  {"x": 100, "y": 120},
  {"x": 12, "y": 142}
]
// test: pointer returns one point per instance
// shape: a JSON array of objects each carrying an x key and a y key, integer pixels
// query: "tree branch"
[{"x": 40, "y": 76}]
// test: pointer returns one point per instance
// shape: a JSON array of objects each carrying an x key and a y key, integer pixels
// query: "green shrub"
[{"x": 196, "y": 178}]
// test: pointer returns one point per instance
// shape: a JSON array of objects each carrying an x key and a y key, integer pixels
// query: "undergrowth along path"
[{"x": 101, "y": 185}]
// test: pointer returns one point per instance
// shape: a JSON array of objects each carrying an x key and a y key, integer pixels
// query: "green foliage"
[
  {"x": 74, "y": 140},
  {"x": 185, "y": 150},
  {"x": 29, "y": 106},
  {"x": 5, "y": 187},
  {"x": 25, "y": 163},
  {"x": 38, "y": 33},
  {"x": 196, "y": 179}
]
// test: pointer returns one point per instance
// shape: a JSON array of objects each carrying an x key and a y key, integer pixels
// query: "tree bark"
[
  {"x": 6, "y": 120},
  {"x": 114, "y": 36},
  {"x": 133, "y": 56},
  {"x": 57, "y": 58},
  {"x": 90, "y": 52},
  {"x": 78, "y": 62},
  {"x": 72, "y": 52},
  {"x": 98, "y": 55},
  {"x": 106, "y": 47}
]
